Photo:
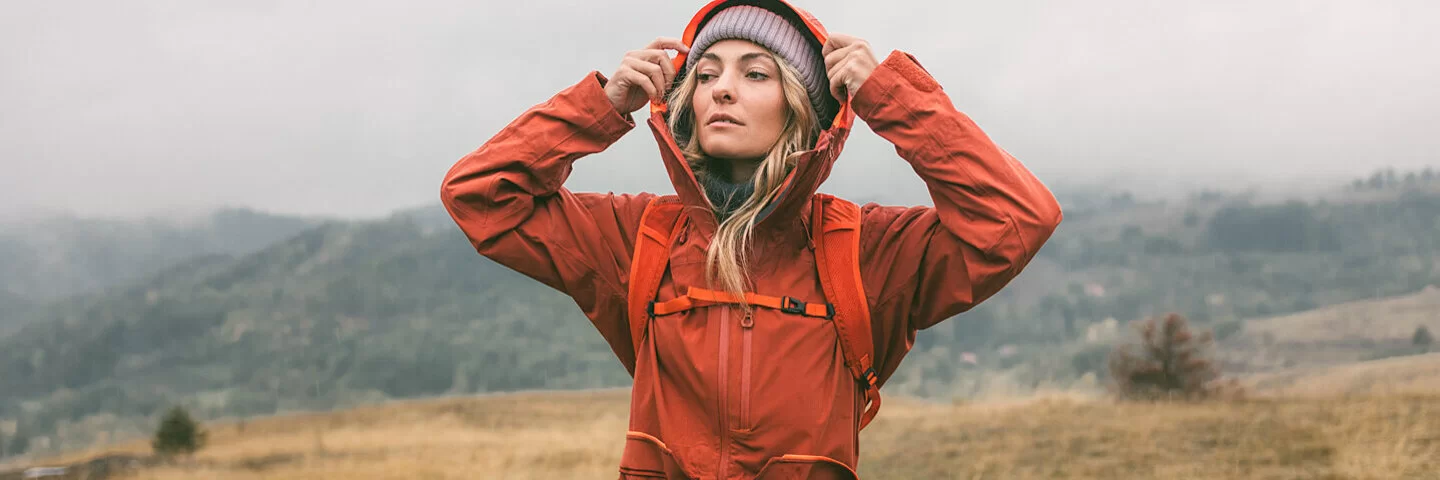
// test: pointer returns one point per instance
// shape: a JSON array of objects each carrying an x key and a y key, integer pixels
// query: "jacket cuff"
[
  {"x": 589, "y": 97},
  {"x": 900, "y": 70}
]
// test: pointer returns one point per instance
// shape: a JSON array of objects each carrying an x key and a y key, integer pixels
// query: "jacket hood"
[{"x": 812, "y": 167}]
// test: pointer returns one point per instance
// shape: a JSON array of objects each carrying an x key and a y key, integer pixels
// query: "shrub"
[
  {"x": 1422, "y": 337},
  {"x": 178, "y": 434},
  {"x": 1170, "y": 362}
]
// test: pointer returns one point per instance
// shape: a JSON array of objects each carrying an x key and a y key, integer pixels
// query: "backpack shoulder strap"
[
  {"x": 658, "y": 228},
  {"x": 835, "y": 228}
]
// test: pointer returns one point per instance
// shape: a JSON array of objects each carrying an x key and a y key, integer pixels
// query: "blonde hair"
[{"x": 729, "y": 251}]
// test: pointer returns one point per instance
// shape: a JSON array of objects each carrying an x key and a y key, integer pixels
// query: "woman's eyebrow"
[{"x": 743, "y": 58}]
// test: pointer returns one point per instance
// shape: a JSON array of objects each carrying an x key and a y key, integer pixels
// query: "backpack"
[{"x": 835, "y": 232}]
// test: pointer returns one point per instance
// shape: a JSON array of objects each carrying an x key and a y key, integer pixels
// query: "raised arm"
[{"x": 991, "y": 215}]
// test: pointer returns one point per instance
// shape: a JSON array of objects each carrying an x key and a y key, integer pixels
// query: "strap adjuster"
[
  {"x": 870, "y": 377},
  {"x": 650, "y": 309},
  {"x": 793, "y": 306}
]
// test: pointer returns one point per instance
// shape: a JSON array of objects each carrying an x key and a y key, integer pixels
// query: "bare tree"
[{"x": 1169, "y": 362}]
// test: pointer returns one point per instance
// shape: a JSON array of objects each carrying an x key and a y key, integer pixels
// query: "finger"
[
  {"x": 836, "y": 41},
  {"x": 656, "y": 75},
  {"x": 667, "y": 64},
  {"x": 837, "y": 70},
  {"x": 668, "y": 43},
  {"x": 634, "y": 79},
  {"x": 837, "y": 55},
  {"x": 839, "y": 77},
  {"x": 651, "y": 74},
  {"x": 667, "y": 69}
]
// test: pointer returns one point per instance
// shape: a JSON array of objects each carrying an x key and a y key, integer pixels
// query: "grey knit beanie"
[{"x": 774, "y": 32}]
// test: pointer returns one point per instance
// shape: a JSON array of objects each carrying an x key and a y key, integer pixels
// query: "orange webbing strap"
[
  {"x": 836, "y": 230},
  {"x": 699, "y": 297},
  {"x": 658, "y": 227}
]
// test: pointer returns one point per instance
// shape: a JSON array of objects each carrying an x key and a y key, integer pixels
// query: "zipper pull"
[{"x": 747, "y": 322}]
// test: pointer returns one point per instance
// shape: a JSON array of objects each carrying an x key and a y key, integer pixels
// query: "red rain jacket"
[{"x": 711, "y": 398}]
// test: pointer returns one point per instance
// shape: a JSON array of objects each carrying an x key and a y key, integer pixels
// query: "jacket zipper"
[
  {"x": 722, "y": 470},
  {"x": 747, "y": 326}
]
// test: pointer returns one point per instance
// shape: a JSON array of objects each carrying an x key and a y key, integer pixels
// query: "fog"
[{"x": 357, "y": 108}]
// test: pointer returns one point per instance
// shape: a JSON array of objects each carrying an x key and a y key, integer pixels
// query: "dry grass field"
[
  {"x": 578, "y": 435},
  {"x": 1327, "y": 416}
]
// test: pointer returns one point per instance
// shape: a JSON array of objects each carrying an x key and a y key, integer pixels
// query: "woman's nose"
[{"x": 724, "y": 89}]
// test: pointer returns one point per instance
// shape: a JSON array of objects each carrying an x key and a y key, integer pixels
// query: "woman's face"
[{"x": 739, "y": 101}]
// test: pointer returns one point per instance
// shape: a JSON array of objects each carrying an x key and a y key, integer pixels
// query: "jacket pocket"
[
  {"x": 647, "y": 457},
  {"x": 805, "y": 467}
]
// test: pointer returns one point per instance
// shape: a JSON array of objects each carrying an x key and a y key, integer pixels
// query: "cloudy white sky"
[{"x": 357, "y": 108}]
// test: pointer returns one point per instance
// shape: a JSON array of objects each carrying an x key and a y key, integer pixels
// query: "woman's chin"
[{"x": 729, "y": 152}]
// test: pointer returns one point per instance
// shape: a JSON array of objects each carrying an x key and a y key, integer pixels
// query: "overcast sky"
[{"x": 357, "y": 108}]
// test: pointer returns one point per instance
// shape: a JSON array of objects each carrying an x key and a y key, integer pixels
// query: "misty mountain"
[
  {"x": 48, "y": 258},
  {"x": 343, "y": 312}
]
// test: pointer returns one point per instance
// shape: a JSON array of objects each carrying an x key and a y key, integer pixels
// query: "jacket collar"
[{"x": 812, "y": 168}]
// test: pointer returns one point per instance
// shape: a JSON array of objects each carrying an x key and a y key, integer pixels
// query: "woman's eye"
[
  {"x": 757, "y": 75},
  {"x": 704, "y": 77}
]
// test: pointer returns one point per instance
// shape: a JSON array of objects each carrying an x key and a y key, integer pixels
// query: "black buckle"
[
  {"x": 830, "y": 310},
  {"x": 650, "y": 309},
  {"x": 793, "y": 306}
]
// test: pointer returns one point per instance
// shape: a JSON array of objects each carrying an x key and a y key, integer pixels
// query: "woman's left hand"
[{"x": 848, "y": 62}]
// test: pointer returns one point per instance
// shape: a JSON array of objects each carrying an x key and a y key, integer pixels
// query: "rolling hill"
[
  {"x": 1390, "y": 376},
  {"x": 1334, "y": 335},
  {"x": 578, "y": 435},
  {"x": 49, "y": 258}
]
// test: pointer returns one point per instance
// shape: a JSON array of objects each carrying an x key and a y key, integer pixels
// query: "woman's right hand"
[{"x": 643, "y": 75}]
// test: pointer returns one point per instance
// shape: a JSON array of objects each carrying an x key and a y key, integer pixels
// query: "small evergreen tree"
[
  {"x": 1422, "y": 337},
  {"x": 178, "y": 434}
]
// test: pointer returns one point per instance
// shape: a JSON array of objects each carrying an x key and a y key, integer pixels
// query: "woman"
[{"x": 749, "y": 125}]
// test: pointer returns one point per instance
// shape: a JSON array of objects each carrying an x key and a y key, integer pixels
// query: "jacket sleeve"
[
  {"x": 921, "y": 265},
  {"x": 507, "y": 198}
]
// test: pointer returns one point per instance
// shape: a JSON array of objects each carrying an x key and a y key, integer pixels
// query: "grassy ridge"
[{"x": 577, "y": 435}]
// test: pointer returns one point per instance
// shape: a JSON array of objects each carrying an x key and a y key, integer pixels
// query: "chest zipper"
[
  {"x": 723, "y": 469},
  {"x": 747, "y": 327}
]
